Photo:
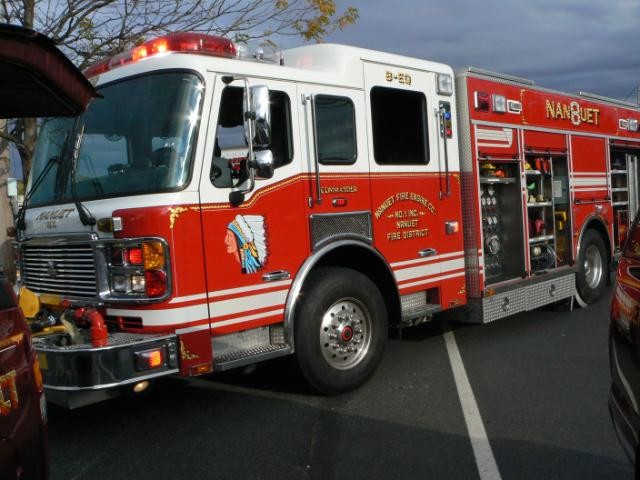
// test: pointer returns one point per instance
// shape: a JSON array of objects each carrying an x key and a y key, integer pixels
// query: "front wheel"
[
  {"x": 593, "y": 268},
  {"x": 340, "y": 329}
]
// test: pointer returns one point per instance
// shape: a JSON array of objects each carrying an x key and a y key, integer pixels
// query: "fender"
[
  {"x": 307, "y": 268},
  {"x": 588, "y": 222}
]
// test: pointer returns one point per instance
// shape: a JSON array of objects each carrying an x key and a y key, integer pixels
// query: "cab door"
[
  {"x": 415, "y": 182},
  {"x": 338, "y": 190},
  {"x": 252, "y": 249}
]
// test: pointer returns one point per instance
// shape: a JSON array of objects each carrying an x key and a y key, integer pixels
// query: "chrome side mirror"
[
  {"x": 257, "y": 117},
  {"x": 263, "y": 164},
  {"x": 257, "y": 130}
]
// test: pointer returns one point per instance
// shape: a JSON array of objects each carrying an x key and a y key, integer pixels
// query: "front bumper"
[{"x": 77, "y": 375}]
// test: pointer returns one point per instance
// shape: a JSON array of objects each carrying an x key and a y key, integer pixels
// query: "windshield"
[{"x": 138, "y": 139}]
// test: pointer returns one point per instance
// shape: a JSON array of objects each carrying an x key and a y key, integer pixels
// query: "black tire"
[
  {"x": 340, "y": 329},
  {"x": 593, "y": 269}
]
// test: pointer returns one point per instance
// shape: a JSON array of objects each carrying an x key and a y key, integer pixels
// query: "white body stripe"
[
  {"x": 590, "y": 182},
  {"x": 247, "y": 318},
  {"x": 430, "y": 269},
  {"x": 188, "y": 298},
  {"x": 166, "y": 316},
  {"x": 502, "y": 138},
  {"x": 250, "y": 302},
  {"x": 250, "y": 288},
  {"x": 432, "y": 280}
]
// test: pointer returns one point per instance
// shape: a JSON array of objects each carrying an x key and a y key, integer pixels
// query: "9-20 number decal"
[{"x": 400, "y": 77}]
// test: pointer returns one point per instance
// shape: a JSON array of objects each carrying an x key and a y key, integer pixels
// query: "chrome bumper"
[{"x": 84, "y": 368}]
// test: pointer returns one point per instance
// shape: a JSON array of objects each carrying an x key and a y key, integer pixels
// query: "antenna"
[{"x": 634, "y": 94}]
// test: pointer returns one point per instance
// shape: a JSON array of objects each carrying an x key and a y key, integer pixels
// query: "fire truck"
[{"x": 215, "y": 209}]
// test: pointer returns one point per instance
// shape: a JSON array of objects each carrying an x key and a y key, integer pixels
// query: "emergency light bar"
[{"x": 173, "y": 43}]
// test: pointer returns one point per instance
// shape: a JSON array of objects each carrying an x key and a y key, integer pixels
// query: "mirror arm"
[{"x": 251, "y": 116}]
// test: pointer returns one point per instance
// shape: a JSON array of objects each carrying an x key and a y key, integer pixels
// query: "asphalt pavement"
[{"x": 539, "y": 381}]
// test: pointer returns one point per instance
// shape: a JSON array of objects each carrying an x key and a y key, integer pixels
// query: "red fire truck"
[{"x": 212, "y": 211}]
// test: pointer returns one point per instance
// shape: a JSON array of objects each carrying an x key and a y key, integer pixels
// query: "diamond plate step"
[
  {"x": 240, "y": 358},
  {"x": 424, "y": 311}
]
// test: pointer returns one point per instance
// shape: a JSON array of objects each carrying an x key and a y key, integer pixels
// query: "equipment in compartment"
[
  {"x": 624, "y": 192},
  {"x": 491, "y": 230},
  {"x": 501, "y": 215},
  {"x": 547, "y": 210},
  {"x": 543, "y": 257}
]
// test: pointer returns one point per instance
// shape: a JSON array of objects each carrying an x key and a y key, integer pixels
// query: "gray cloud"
[{"x": 568, "y": 45}]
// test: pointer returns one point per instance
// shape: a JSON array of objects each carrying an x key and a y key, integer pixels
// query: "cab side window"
[
  {"x": 399, "y": 123},
  {"x": 231, "y": 150},
  {"x": 335, "y": 130}
]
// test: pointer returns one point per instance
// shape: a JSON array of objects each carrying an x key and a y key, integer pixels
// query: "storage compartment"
[
  {"x": 548, "y": 214},
  {"x": 624, "y": 193},
  {"x": 501, "y": 208}
]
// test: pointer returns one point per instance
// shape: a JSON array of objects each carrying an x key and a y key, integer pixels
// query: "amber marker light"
[
  {"x": 149, "y": 359},
  {"x": 200, "y": 369},
  {"x": 153, "y": 254}
]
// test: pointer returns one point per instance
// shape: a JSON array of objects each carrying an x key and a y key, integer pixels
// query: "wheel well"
[{"x": 368, "y": 263}]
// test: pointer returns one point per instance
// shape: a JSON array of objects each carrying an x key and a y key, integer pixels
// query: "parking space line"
[{"x": 485, "y": 461}]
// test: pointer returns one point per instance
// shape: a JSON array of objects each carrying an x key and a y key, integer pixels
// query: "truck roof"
[
  {"x": 340, "y": 60},
  {"x": 328, "y": 64}
]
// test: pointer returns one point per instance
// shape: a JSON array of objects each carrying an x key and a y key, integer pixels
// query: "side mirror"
[
  {"x": 263, "y": 163},
  {"x": 257, "y": 117}
]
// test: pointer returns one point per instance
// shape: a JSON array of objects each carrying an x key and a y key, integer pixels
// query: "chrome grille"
[{"x": 67, "y": 270}]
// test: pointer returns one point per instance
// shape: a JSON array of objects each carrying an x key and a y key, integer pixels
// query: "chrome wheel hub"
[
  {"x": 593, "y": 266},
  {"x": 345, "y": 333}
]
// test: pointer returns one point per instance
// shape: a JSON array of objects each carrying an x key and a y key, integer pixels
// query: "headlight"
[{"x": 137, "y": 269}]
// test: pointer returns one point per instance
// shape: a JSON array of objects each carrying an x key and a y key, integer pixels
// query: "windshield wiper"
[
  {"x": 85, "y": 216},
  {"x": 20, "y": 221}
]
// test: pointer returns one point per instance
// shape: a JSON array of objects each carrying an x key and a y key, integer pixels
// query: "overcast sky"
[{"x": 568, "y": 45}]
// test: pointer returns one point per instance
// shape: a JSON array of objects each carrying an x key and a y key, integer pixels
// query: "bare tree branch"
[{"x": 89, "y": 30}]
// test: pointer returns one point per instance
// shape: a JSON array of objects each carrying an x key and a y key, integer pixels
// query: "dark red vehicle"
[
  {"x": 624, "y": 348},
  {"x": 36, "y": 80}
]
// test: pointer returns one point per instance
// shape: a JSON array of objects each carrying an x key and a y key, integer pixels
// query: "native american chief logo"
[{"x": 246, "y": 241}]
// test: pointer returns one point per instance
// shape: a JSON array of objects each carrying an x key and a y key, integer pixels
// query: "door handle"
[
  {"x": 276, "y": 275},
  {"x": 427, "y": 252}
]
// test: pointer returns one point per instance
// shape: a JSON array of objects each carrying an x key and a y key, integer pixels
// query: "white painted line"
[{"x": 485, "y": 461}]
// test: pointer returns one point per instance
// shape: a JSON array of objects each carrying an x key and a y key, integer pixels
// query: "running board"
[
  {"x": 242, "y": 358},
  {"x": 416, "y": 316},
  {"x": 249, "y": 346}
]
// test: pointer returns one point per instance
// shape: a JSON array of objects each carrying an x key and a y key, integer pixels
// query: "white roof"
[
  {"x": 330, "y": 64},
  {"x": 342, "y": 61}
]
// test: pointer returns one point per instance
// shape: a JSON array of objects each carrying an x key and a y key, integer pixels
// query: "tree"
[{"x": 88, "y": 30}]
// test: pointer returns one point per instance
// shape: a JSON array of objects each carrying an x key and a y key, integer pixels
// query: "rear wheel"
[
  {"x": 593, "y": 268},
  {"x": 340, "y": 329}
]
